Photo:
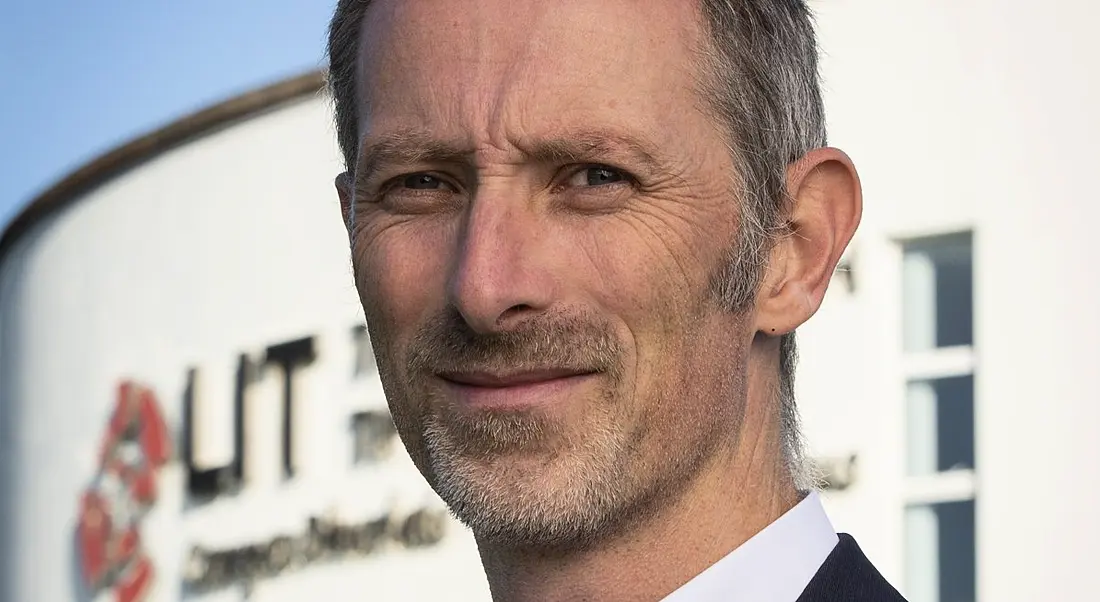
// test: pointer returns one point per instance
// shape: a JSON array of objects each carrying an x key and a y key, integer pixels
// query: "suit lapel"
[{"x": 846, "y": 576}]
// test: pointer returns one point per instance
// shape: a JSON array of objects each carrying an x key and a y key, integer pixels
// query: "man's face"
[{"x": 538, "y": 209}]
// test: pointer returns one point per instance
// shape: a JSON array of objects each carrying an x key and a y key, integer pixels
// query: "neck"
[{"x": 743, "y": 489}]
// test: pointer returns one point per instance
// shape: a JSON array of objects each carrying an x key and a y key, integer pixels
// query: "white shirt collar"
[{"x": 775, "y": 565}]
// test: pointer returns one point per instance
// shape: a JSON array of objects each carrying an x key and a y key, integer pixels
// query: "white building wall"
[{"x": 971, "y": 116}]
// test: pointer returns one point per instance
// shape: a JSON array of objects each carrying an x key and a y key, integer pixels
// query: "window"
[
  {"x": 938, "y": 295},
  {"x": 940, "y": 425},
  {"x": 937, "y": 335},
  {"x": 940, "y": 558},
  {"x": 364, "y": 354},
  {"x": 373, "y": 434}
]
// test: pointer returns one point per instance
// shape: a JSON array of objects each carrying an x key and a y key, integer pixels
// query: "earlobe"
[
  {"x": 826, "y": 205},
  {"x": 343, "y": 189}
]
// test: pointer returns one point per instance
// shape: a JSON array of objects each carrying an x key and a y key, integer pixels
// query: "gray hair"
[{"x": 760, "y": 79}]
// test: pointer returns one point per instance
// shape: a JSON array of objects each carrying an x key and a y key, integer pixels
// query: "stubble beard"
[
  {"x": 525, "y": 484},
  {"x": 522, "y": 480}
]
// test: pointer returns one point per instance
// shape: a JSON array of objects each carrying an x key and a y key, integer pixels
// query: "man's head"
[{"x": 583, "y": 234}]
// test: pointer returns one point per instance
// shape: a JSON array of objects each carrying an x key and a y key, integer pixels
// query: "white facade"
[
  {"x": 968, "y": 117},
  {"x": 963, "y": 118}
]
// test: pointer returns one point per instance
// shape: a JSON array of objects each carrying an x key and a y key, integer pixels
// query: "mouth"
[{"x": 513, "y": 390}]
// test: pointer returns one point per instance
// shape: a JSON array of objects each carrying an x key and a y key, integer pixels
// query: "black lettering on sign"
[
  {"x": 290, "y": 356},
  {"x": 322, "y": 541},
  {"x": 372, "y": 431},
  {"x": 210, "y": 482}
]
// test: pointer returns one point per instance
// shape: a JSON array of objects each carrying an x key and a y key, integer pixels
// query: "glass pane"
[
  {"x": 937, "y": 296},
  {"x": 940, "y": 553},
  {"x": 372, "y": 432},
  {"x": 940, "y": 425},
  {"x": 364, "y": 355}
]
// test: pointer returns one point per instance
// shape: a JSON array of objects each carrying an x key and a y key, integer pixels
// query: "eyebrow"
[
  {"x": 408, "y": 147},
  {"x": 594, "y": 147},
  {"x": 590, "y": 146}
]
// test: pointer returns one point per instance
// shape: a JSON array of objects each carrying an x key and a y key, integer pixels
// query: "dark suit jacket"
[{"x": 847, "y": 576}]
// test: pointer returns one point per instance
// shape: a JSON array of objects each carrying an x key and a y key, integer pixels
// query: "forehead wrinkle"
[{"x": 490, "y": 78}]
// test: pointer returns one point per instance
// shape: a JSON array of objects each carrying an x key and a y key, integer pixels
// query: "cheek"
[
  {"x": 638, "y": 281},
  {"x": 647, "y": 277},
  {"x": 401, "y": 275},
  {"x": 655, "y": 280}
]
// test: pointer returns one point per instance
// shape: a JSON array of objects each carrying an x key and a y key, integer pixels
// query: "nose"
[{"x": 503, "y": 271}]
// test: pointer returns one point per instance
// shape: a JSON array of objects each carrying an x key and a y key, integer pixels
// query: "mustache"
[{"x": 560, "y": 340}]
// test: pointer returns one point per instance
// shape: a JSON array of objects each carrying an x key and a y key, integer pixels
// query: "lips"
[
  {"x": 513, "y": 379},
  {"x": 513, "y": 390}
]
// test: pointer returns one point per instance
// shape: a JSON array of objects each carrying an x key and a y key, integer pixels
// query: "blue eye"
[{"x": 596, "y": 176}]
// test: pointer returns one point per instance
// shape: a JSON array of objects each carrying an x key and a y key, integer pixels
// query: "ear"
[
  {"x": 827, "y": 203},
  {"x": 343, "y": 188}
]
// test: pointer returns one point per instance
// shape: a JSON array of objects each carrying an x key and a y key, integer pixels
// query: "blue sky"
[{"x": 78, "y": 78}]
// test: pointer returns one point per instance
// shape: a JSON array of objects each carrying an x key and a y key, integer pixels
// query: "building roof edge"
[{"x": 118, "y": 160}]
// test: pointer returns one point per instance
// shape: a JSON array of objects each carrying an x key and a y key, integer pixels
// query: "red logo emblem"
[{"x": 135, "y": 446}]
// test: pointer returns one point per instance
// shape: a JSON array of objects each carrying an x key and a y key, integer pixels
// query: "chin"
[{"x": 537, "y": 488}]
